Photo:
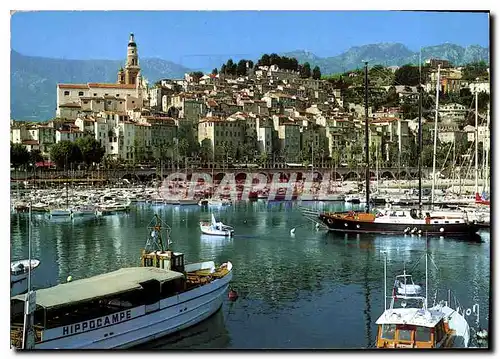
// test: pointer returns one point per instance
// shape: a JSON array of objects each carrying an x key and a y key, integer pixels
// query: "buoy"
[
  {"x": 232, "y": 295},
  {"x": 317, "y": 225},
  {"x": 69, "y": 279},
  {"x": 292, "y": 231},
  {"x": 407, "y": 229},
  {"x": 441, "y": 229}
]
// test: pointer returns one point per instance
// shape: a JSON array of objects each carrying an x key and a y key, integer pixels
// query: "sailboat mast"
[
  {"x": 367, "y": 143},
  {"x": 487, "y": 154},
  {"x": 475, "y": 149},
  {"x": 435, "y": 136},
  {"x": 420, "y": 150},
  {"x": 29, "y": 246}
]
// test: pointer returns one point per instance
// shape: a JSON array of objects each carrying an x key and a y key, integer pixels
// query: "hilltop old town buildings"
[{"x": 269, "y": 114}]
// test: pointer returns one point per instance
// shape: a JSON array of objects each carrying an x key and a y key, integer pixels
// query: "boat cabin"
[
  {"x": 173, "y": 261},
  {"x": 91, "y": 303},
  {"x": 413, "y": 328}
]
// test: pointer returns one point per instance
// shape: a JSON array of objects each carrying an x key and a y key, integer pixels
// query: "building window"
[
  {"x": 80, "y": 93},
  {"x": 109, "y": 102},
  {"x": 117, "y": 95},
  {"x": 95, "y": 94},
  {"x": 66, "y": 93},
  {"x": 105, "y": 94},
  {"x": 85, "y": 102}
]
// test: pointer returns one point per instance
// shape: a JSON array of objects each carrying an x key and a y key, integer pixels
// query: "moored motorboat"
[
  {"x": 129, "y": 306},
  {"x": 19, "y": 271},
  {"x": 216, "y": 228},
  {"x": 416, "y": 325},
  {"x": 60, "y": 212}
]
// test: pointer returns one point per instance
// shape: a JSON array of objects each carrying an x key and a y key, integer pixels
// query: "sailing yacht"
[{"x": 434, "y": 223}]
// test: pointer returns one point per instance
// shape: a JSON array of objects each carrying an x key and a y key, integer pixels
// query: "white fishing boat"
[
  {"x": 39, "y": 207},
  {"x": 416, "y": 325},
  {"x": 126, "y": 307},
  {"x": 19, "y": 275},
  {"x": 114, "y": 207},
  {"x": 216, "y": 228},
  {"x": 60, "y": 212},
  {"x": 83, "y": 211}
]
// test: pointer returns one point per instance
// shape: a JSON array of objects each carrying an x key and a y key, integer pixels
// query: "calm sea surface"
[{"x": 313, "y": 289}]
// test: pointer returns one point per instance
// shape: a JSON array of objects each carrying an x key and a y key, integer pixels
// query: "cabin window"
[
  {"x": 404, "y": 335},
  {"x": 435, "y": 221},
  {"x": 446, "y": 221},
  {"x": 388, "y": 331},
  {"x": 423, "y": 334},
  {"x": 457, "y": 221}
]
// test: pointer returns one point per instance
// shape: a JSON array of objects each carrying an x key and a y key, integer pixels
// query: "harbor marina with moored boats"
[{"x": 273, "y": 273}]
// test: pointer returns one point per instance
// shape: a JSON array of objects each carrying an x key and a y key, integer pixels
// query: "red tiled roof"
[{"x": 72, "y": 86}]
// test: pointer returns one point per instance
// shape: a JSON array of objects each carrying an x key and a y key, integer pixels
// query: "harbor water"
[{"x": 308, "y": 289}]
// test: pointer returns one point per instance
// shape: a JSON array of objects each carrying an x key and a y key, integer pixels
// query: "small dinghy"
[
  {"x": 216, "y": 228},
  {"x": 404, "y": 285}
]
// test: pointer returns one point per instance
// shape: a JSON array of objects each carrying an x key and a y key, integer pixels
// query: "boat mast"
[
  {"x": 419, "y": 151},
  {"x": 487, "y": 154},
  {"x": 426, "y": 277},
  {"x": 475, "y": 149},
  {"x": 385, "y": 281},
  {"x": 367, "y": 152},
  {"x": 30, "y": 299},
  {"x": 435, "y": 136}
]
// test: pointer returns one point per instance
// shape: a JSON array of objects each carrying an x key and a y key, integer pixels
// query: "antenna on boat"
[{"x": 385, "y": 280}]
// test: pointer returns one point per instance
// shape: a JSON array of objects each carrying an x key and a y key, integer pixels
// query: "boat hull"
[
  {"x": 160, "y": 319},
  {"x": 354, "y": 226},
  {"x": 215, "y": 232}
]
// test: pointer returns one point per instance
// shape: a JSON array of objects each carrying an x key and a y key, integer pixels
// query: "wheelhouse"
[{"x": 412, "y": 329}]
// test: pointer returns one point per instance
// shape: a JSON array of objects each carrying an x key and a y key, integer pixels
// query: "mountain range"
[
  {"x": 34, "y": 79},
  {"x": 391, "y": 54}
]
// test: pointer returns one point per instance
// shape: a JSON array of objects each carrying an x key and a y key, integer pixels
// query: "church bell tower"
[{"x": 132, "y": 66}]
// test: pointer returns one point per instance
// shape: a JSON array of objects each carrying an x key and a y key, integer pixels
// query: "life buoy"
[{"x": 329, "y": 221}]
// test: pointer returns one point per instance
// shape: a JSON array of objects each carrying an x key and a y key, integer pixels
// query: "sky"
[{"x": 196, "y": 38}]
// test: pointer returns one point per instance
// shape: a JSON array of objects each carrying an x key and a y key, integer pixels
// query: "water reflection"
[
  {"x": 292, "y": 286},
  {"x": 209, "y": 334}
]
